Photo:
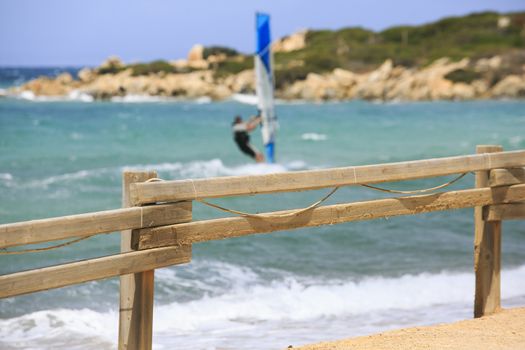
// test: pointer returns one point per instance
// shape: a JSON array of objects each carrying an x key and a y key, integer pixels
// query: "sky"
[{"x": 84, "y": 33}]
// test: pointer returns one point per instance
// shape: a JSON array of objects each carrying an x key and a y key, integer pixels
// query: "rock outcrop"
[
  {"x": 389, "y": 82},
  {"x": 290, "y": 43},
  {"x": 513, "y": 86},
  {"x": 444, "y": 79}
]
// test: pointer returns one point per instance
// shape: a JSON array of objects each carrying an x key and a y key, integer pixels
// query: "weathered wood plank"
[
  {"x": 46, "y": 230},
  {"x": 505, "y": 177},
  {"x": 165, "y": 191},
  {"x": 498, "y": 212},
  {"x": 487, "y": 250},
  {"x": 201, "y": 231},
  {"x": 92, "y": 269},
  {"x": 136, "y": 290}
]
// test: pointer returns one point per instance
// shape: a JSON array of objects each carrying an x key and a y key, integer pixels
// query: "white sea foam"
[
  {"x": 312, "y": 136},
  {"x": 292, "y": 309},
  {"x": 215, "y": 167},
  {"x": 515, "y": 141},
  {"x": 139, "y": 98},
  {"x": 68, "y": 177},
  {"x": 74, "y": 95},
  {"x": 66, "y": 329},
  {"x": 27, "y": 95},
  {"x": 203, "y": 100},
  {"x": 176, "y": 170},
  {"x": 245, "y": 98},
  {"x": 80, "y": 96},
  {"x": 6, "y": 177},
  {"x": 297, "y": 299},
  {"x": 131, "y": 98}
]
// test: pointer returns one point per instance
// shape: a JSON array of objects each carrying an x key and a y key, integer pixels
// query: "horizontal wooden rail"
[
  {"x": 511, "y": 211},
  {"x": 46, "y": 230},
  {"x": 504, "y": 177},
  {"x": 166, "y": 191},
  {"x": 201, "y": 231},
  {"x": 92, "y": 269}
]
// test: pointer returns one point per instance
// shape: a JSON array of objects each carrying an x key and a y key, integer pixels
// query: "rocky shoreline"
[{"x": 444, "y": 79}]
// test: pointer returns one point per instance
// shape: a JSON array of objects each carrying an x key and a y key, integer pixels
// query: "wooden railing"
[{"x": 157, "y": 230}]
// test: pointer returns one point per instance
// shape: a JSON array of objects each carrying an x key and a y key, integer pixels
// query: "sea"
[{"x": 66, "y": 156}]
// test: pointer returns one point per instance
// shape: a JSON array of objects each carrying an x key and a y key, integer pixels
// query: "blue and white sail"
[{"x": 264, "y": 86}]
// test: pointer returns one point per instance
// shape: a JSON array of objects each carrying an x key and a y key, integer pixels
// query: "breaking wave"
[
  {"x": 177, "y": 170},
  {"x": 290, "y": 308}
]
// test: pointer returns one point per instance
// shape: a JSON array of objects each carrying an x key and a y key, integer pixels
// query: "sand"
[{"x": 504, "y": 330}]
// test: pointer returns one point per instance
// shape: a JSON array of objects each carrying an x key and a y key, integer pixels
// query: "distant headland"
[{"x": 478, "y": 56}]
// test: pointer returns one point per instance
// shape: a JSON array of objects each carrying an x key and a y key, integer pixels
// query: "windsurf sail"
[{"x": 264, "y": 85}]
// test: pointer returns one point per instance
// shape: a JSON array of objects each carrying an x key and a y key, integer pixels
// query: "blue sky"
[{"x": 78, "y": 32}]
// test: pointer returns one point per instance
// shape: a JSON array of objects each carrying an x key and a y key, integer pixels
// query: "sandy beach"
[{"x": 504, "y": 330}]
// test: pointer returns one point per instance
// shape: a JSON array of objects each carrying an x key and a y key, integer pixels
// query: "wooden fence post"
[
  {"x": 136, "y": 290},
  {"x": 487, "y": 250}
]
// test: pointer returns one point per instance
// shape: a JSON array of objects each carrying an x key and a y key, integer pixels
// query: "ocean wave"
[
  {"x": 6, "y": 177},
  {"x": 176, "y": 170},
  {"x": 299, "y": 299},
  {"x": 216, "y": 167},
  {"x": 271, "y": 307},
  {"x": 140, "y": 99},
  {"x": 74, "y": 95},
  {"x": 516, "y": 141},
  {"x": 245, "y": 98},
  {"x": 80, "y": 96},
  {"x": 152, "y": 99},
  {"x": 81, "y": 175},
  {"x": 69, "y": 177},
  {"x": 312, "y": 136},
  {"x": 62, "y": 328}
]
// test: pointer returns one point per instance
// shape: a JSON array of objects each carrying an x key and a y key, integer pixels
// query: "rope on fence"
[
  {"x": 251, "y": 215},
  {"x": 269, "y": 216},
  {"x": 316, "y": 204},
  {"x": 425, "y": 190},
  {"x": 14, "y": 252}
]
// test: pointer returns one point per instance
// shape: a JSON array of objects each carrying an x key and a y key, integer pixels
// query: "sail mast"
[{"x": 264, "y": 86}]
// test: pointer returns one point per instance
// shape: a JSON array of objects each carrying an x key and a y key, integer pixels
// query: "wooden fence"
[{"x": 158, "y": 231}]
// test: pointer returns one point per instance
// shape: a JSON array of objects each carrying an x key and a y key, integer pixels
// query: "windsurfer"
[{"x": 242, "y": 138}]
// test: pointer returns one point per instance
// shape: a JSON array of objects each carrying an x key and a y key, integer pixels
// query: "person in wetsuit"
[{"x": 242, "y": 138}]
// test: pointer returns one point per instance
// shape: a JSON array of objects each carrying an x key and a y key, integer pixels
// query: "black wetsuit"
[{"x": 242, "y": 139}]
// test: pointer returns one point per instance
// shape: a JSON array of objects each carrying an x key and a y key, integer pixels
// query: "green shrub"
[
  {"x": 218, "y": 50},
  {"x": 286, "y": 76},
  {"x": 152, "y": 67},
  {"x": 475, "y": 36},
  {"x": 463, "y": 76},
  {"x": 110, "y": 69},
  {"x": 233, "y": 66}
]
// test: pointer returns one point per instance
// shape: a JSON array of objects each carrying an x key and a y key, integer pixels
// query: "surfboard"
[{"x": 264, "y": 84}]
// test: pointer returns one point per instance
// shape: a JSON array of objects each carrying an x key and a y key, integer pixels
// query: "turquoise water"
[{"x": 266, "y": 291}]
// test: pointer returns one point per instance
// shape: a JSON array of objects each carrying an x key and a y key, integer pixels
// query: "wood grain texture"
[
  {"x": 136, "y": 290},
  {"x": 505, "y": 177},
  {"x": 165, "y": 191},
  {"x": 46, "y": 230},
  {"x": 202, "y": 231},
  {"x": 498, "y": 212},
  {"x": 487, "y": 250},
  {"x": 92, "y": 269}
]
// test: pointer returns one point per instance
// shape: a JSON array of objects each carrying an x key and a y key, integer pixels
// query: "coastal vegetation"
[
  {"x": 477, "y": 56},
  {"x": 358, "y": 49}
]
